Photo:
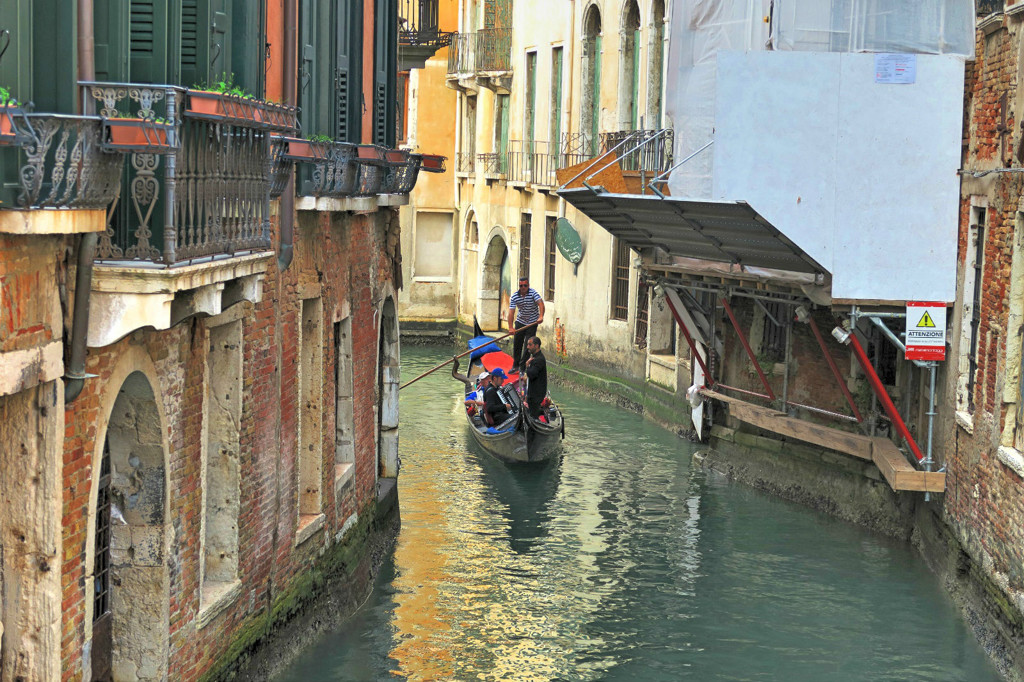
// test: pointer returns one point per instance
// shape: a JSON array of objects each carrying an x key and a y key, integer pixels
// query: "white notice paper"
[{"x": 895, "y": 68}]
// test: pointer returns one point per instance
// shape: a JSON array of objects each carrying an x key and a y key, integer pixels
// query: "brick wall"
[{"x": 343, "y": 259}]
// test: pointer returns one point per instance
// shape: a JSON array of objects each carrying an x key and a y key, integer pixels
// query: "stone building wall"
[{"x": 151, "y": 390}]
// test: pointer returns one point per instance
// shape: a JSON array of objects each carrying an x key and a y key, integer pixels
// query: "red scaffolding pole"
[
  {"x": 689, "y": 338},
  {"x": 746, "y": 347}
]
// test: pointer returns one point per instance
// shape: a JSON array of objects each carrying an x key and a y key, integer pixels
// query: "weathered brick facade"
[
  {"x": 984, "y": 501},
  {"x": 342, "y": 259}
]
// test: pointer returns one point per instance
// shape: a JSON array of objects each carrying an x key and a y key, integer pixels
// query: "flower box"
[
  {"x": 206, "y": 104},
  {"x": 137, "y": 135},
  {"x": 298, "y": 149},
  {"x": 9, "y": 131},
  {"x": 432, "y": 163}
]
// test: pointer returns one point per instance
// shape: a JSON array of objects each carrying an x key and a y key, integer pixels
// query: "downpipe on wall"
[{"x": 75, "y": 374}]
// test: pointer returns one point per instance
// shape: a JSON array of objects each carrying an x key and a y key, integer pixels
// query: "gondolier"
[{"x": 525, "y": 313}]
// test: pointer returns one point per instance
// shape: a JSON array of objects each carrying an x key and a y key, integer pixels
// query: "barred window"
[
  {"x": 549, "y": 268},
  {"x": 642, "y": 296},
  {"x": 620, "y": 283},
  {"x": 773, "y": 338},
  {"x": 101, "y": 565},
  {"x": 525, "y": 226}
]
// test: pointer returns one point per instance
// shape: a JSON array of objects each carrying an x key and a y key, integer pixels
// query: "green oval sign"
[{"x": 568, "y": 241}]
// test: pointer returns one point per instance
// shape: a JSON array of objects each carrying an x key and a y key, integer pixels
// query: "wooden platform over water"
[{"x": 893, "y": 465}]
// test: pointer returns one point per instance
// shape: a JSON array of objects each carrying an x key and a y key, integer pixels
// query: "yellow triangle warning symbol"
[{"x": 926, "y": 320}]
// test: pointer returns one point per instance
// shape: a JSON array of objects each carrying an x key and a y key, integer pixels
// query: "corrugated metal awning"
[{"x": 724, "y": 231}]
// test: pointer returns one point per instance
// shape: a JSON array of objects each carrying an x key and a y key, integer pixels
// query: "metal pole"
[
  {"x": 170, "y": 229},
  {"x": 846, "y": 337},
  {"x": 789, "y": 351},
  {"x": 689, "y": 340},
  {"x": 931, "y": 422},
  {"x": 746, "y": 347}
]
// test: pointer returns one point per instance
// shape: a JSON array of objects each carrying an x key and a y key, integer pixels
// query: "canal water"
[{"x": 624, "y": 562}]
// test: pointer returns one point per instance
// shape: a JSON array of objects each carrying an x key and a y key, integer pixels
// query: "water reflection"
[{"x": 620, "y": 562}]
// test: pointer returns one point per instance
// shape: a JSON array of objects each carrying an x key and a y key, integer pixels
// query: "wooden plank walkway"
[{"x": 897, "y": 471}]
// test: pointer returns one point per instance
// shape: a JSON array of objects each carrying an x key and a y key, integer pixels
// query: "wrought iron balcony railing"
[
  {"x": 644, "y": 150},
  {"x": 204, "y": 194},
  {"x": 536, "y": 161},
  {"x": 61, "y": 163},
  {"x": 418, "y": 25},
  {"x": 462, "y": 54},
  {"x": 491, "y": 163},
  {"x": 494, "y": 50},
  {"x": 465, "y": 162}
]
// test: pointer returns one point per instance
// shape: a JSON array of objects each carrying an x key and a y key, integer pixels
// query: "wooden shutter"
[
  {"x": 247, "y": 43},
  {"x": 110, "y": 31},
  {"x": 385, "y": 65},
  {"x": 147, "y": 41},
  {"x": 347, "y": 74}
]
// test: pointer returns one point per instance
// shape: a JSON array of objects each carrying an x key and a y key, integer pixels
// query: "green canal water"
[{"x": 623, "y": 562}]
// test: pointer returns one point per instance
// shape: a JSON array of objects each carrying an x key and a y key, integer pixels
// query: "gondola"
[{"x": 520, "y": 438}]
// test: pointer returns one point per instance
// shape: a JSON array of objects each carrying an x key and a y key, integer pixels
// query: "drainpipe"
[
  {"x": 75, "y": 371},
  {"x": 286, "y": 221}
]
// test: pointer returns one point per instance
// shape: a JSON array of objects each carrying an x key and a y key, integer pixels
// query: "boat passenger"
[
  {"x": 537, "y": 377},
  {"x": 496, "y": 410},
  {"x": 474, "y": 398}
]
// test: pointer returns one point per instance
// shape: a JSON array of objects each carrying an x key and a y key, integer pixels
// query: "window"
[
  {"x": 556, "y": 99},
  {"x": 773, "y": 333},
  {"x": 101, "y": 562},
  {"x": 970, "y": 320},
  {"x": 525, "y": 225},
  {"x": 591, "y": 114},
  {"x": 549, "y": 264},
  {"x": 344, "y": 416},
  {"x": 221, "y": 495},
  {"x": 385, "y": 68},
  {"x": 656, "y": 65},
  {"x": 469, "y": 136},
  {"x": 629, "y": 69},
  {"x": 310, "y": 464},
  {"x": 433, "y": 255},
  {"x": 501, "y": 131},
  {"x": 530, "y": 102},
  {"x": 642, "y": 302},
  {"x": 620, "y": 280}
]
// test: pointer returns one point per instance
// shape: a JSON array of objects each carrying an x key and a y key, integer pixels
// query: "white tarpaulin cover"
[{"x": 702, "y": 28}]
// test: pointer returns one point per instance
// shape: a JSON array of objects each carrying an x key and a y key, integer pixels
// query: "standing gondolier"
[{"x": 525, "y": 313}]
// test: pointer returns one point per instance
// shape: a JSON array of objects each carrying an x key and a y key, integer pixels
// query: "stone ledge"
[
  {"x": 130, "y": 296},
  {"x": 308, "y": 526},
  {"x": 22, "y": 369},
  {"x": 965, "y": 421},
  {"x": 52, "y": 221},
  {"x": 216, "y": 597},
  {"x": 337, "y": 205},
  {"x": 1012, "y": 458}
]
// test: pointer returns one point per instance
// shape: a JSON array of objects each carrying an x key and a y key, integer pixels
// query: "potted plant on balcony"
[
  {"x": 311, "y": 149},
  {"x": 223, "y": 99},
  {"x": 138, "y": 134},
  {"x": 9, "y": 108}
]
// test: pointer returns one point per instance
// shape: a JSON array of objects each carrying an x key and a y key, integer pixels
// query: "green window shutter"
[
  {"x": 531, "y": 100},
  {"x": 385, "y": 64},
  {"x": 247, "y": 44},
  {"x": 50, "y": 39},
  {"x": 556, "y": 100},
  {"x": 634, "y": 104},
  {"x": 110, "y": 31},
  {"x": 347, "y": 74},
  {"x": 147, "y": 41},
  {"x": 595, "y": 114}
]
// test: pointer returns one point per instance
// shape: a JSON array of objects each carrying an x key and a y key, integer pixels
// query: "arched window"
[
  {"x": 591, "y": 81},
  {"x": 629, "y": 67},
  {"x": 656, "y": 65}
]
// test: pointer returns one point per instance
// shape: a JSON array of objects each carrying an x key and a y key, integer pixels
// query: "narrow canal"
[{"x": 624, "y": 562}]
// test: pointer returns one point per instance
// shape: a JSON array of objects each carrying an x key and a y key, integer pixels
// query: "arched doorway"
[
  {"x": 387, "y": 391},
  {"x": 470, "y": 262},
  {"x": 129, "y": 575},
  {"x": 489, "y": 297}
]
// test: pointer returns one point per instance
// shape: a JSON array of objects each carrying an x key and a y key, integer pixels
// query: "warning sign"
[{"x": 926, "y": 330}]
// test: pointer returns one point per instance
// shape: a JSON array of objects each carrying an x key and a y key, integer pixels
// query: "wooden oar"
[{"x": 460, "y": 355}]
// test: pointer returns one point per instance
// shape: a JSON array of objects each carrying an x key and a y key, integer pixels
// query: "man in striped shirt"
[{"x": 525, "y": 313}]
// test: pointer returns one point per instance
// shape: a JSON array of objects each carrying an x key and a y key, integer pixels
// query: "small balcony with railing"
[
  {"x": 481, "y": 58},
  {"x": 535, "y": 162},
  {"x": 419, "y": 33},
  {"x": 189, "y": 232}
]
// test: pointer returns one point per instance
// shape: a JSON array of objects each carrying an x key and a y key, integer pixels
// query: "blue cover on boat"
[
  {"x": 482, "y": 345},
  {"x": 492, "y": 431}
]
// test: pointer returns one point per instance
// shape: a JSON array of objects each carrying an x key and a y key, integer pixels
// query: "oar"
[{"x": 460, "y": 355}]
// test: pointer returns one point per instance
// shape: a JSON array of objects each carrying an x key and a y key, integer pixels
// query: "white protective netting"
[{"x": 702, "y": 28}]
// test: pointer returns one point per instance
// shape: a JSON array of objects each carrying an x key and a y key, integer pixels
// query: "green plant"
[
  {"x": 6, "y": 99},
  {"x": 226, "y": 85},
  {"x": 320, "y": 138}
]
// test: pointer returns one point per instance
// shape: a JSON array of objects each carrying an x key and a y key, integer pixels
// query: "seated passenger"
[{"x": 496, "y": 410}]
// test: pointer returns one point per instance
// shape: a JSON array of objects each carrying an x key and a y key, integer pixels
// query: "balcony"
[
  {"x": 535, "y": 162},
  {"x": 350, "y": 177},
  {"x": 190, "y": 233},
  {"x": 419, "y": 35},
  {"x": 492, "y": 165},
  {"x": 65, "y": 181},
  {"x": 465, "y": 162},
  {"x": 481, "y": 58}
]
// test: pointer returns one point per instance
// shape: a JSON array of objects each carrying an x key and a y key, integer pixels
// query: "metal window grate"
[
  {"x": 642, "y": 303},
  {"x": 773, "y": 337},
  {"x": 101, "y": 566},
  {"x": 620, "y": 291},
  {"x": 525, "y": 227},
  {"x": 551, "y": 250}
]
